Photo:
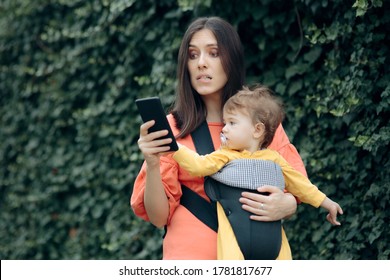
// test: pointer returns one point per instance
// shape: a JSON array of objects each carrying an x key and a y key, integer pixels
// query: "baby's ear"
[{"x": 259, "y": 130}]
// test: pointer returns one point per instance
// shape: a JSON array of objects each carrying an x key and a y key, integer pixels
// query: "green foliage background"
[{"x": 70, "y": 71}]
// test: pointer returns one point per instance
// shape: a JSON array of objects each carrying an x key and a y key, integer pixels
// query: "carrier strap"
[{"x": 202, "y": 209}]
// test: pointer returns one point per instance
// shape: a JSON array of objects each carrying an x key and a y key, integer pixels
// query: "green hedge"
[{"x": 70, "y": 71}]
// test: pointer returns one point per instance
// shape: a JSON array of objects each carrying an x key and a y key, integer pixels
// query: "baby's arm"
[
  {"x": 301, "y": 187},
  {"x": 333, "y": 209},
  {"x": 198, "y": 165}
]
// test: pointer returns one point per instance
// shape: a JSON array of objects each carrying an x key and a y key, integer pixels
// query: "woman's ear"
[{"x": 259, "y": 130}]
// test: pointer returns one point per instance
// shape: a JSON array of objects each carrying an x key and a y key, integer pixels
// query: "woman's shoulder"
[{"x": 280, "y": 139}]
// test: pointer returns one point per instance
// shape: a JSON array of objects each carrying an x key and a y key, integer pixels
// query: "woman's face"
[{"x": 204, "y": 64}]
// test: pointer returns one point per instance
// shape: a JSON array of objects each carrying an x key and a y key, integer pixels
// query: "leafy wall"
[{"x": 70, "y": 71}]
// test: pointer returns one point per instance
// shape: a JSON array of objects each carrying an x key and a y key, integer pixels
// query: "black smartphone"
[{"x": 150, "y": 108}]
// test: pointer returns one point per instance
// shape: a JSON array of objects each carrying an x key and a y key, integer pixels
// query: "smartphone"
[{"x": 150, "y": 108}]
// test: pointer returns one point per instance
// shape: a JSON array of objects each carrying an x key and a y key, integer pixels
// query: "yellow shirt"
[{"x": 296, "y": 183}]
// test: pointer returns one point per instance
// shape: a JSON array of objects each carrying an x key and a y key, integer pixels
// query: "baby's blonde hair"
[{"x": 261, "y": 105}]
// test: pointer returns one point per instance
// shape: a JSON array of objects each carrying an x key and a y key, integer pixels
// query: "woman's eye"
[
  {"x": 193, "y": 55},
  {"x": 214, "y": 53}
]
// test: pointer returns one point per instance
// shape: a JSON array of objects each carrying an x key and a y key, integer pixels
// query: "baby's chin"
[{"x": 226, "y": 145}]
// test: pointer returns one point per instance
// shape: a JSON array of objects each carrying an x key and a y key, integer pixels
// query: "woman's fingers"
[
  {"x": 143, "y": 130},
  {"x": 274, "y": 206},
  {"x": 150, "y": 142},
  {"x": 256, "y": 204}
]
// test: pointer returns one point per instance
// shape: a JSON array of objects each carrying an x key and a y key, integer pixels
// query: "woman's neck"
[
  {"x": 214, "y": 108},
  {"x": 214, "y": 117}
]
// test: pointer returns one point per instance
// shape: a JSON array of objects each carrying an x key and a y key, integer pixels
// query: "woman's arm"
[{"x": 155, "y": 198}]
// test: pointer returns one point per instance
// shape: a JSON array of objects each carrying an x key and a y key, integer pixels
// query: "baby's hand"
[{"x": 334, "y": 209}]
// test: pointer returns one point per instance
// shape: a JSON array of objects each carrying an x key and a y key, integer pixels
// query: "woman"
[{"x": 210, "y": 70}]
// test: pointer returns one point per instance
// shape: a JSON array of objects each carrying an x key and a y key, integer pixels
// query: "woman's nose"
[{"x": 202, "y": 63}]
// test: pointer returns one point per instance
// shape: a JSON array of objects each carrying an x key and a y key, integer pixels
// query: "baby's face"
[{"x": 238, "y": 132}]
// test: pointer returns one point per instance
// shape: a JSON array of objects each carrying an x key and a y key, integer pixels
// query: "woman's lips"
[{"x": 203, "y": 77}]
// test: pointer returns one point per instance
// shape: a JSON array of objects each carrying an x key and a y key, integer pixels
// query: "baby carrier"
[{"x": 257, "y": 240}]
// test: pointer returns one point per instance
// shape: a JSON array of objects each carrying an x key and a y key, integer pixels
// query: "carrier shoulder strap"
[
  {"x": 197, "y": 205},
  {"x": 202, "y": 139}
]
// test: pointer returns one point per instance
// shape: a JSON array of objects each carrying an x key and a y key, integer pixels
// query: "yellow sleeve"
[
  {"x": 198, "y": 165},
  {"x": 300, "y": 186}
]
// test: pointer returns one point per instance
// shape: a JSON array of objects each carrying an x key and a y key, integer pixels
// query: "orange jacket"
[{"x": 187, "y": 237}]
